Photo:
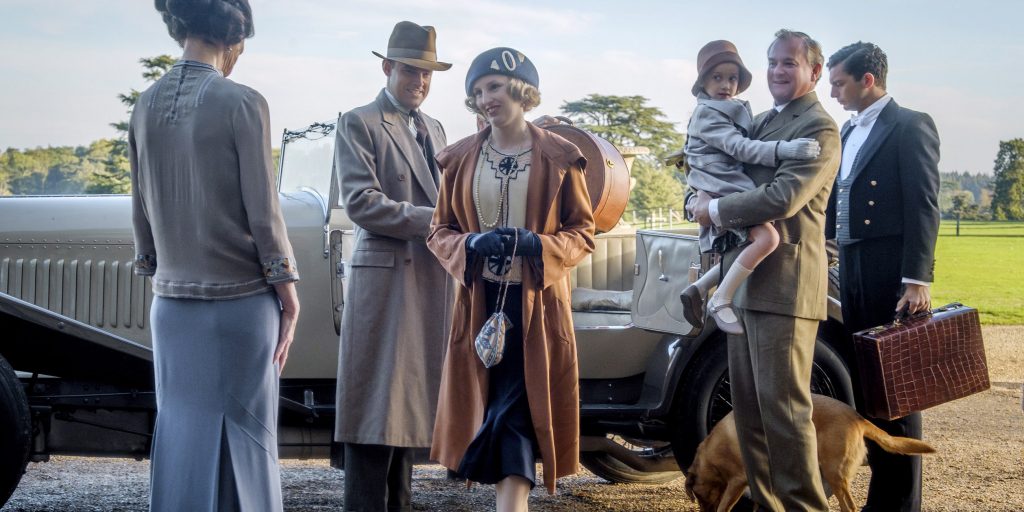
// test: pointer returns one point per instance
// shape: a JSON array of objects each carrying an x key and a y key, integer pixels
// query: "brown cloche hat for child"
[
  {"x": 713, "y": 54},
  {"x": 414, "y": 45}
]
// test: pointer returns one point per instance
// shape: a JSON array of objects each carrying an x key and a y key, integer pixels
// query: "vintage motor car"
[{"x": 76, "y": 372}]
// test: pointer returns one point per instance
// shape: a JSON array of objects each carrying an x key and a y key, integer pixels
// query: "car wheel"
[
  {"x": 704, "y": 396},
  {"x": 608, "y": 467},
  {"x": 15, "y": 430}
]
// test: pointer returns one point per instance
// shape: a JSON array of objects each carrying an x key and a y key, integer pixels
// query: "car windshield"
[{"x": 307, "y": 159}]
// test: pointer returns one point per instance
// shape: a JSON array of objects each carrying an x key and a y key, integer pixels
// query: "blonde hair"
[{"x": 518, "y": 90}]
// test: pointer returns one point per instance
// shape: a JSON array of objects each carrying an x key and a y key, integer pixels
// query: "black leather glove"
[
  {"x": 486, "y": 244},
  {"x": 528, "y": 244}
]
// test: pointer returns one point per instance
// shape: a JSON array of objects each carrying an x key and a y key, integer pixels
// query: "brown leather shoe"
[{"x": 693, "y": 306}]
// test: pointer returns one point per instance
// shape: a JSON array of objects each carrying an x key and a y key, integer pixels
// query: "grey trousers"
[
  {"x": 215, "y": 445},
  {"x": 770, "y": 371}
]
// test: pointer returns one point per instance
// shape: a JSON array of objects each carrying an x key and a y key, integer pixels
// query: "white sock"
[
  {"x": 707, "y": 281},
  {"x": 734, "y": 277}
]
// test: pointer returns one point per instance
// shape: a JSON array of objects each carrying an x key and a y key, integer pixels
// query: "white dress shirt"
[
  {"x": 861, "y": 124},
  {"x": 410, "y": 122}
]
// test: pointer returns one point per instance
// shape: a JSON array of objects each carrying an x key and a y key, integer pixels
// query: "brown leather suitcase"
[{"x": 922, "y": 361}]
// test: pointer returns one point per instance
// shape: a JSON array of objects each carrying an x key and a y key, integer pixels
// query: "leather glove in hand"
[
  {"x": 486, "y": 244},
  {"x": 798, "y": 149},
  {"x": 528, "y": 244}
]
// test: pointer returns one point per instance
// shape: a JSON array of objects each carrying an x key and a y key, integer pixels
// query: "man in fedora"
[{"x": 394, "y": 325}]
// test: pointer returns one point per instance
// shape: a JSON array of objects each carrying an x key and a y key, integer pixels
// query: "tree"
[
  {"x": 153, "y": 69},
  {"x": 1008, "y": 198},
  {"x": 655, "y": 188},
  {"x": 963, "y": 207},
  {"x": 115, "y": 177},
  {"x": 625, "y": 121},
  {"x": 629, "y": 121}
]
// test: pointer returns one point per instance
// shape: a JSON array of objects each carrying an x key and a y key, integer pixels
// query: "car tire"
[
  {"x": 15, "y": 430},
  {"x": 609, "y": 468},
  {"x": 704, "y": 397}
]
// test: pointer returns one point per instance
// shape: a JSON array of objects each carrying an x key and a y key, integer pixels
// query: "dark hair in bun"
[{"x": 225, "y": 22}]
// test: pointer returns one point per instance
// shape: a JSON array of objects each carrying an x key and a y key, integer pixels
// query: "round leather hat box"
[{"x": 606, "y": 174}]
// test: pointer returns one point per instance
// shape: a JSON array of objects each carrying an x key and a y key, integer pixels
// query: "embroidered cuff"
[
  {"x": 280, "y": 270},
  {"x": 145, "y": 264}
]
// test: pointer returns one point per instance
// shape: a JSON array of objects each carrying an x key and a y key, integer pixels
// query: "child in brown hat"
[{"x": 717, "y": 146}]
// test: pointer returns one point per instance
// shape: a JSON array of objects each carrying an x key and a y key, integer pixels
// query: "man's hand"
[
  {"x": 916, "y": 297},
  {"x": 698, "y": 209}
]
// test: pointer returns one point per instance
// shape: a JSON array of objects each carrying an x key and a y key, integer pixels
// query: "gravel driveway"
[{"x": 979, "y": 467}]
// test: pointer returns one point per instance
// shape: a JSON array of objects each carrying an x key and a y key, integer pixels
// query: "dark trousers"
[
  {"x": 870, "y": 287},
  {"x": 378, "y": 478}
]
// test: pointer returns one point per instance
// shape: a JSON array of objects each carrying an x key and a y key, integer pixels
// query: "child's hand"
[{"x": 799, "y": 149}]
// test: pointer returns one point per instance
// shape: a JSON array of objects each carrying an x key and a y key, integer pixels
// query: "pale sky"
[{"x": 64, "y": 61}]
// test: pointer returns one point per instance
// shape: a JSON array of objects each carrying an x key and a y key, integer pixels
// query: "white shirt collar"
[
  {"x": 867, "y": 116},
  {"x": 410, "y": 122},
  {"x": 401, "y": 108}
]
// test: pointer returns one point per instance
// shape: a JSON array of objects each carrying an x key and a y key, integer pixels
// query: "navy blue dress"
[{"x": 506, "y": 444}]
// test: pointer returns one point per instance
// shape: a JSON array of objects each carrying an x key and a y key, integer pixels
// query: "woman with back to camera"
[
  {"x": 513, "y": 217},
  {"x": 208, "y": 229}
]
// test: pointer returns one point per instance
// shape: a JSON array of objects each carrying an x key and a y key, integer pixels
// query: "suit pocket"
[
  {"x": 371, "y": 258},
  {"x": 777, "y": 278}
]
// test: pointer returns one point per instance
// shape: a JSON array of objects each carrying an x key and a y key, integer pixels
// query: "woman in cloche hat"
[{"x": 513, "y": 218}]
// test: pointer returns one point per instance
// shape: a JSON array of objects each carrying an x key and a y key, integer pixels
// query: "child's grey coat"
[{"x": 716, "y": 149}]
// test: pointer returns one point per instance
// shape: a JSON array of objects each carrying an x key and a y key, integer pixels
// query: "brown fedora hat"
[
  {"x": 713, "y": 54},
  {"x": 414, "y": 45}
]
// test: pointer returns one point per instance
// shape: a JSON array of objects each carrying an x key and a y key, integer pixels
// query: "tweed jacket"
[
  {"x": 394, "y": 325},
  {"x": 793, "y": 279}
]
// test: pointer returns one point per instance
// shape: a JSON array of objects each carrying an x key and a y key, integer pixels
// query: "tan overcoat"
[
  {"x": 558, "y": 210},
  {"x": 394, "y": 326}
]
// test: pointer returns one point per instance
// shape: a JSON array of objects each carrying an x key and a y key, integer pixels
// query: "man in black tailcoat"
[{"x": 884, "y": 214}]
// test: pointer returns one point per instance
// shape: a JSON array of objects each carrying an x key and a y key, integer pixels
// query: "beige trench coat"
[
  {"x": 394, "y": 324},
  {"x": 558, "y": 209}
]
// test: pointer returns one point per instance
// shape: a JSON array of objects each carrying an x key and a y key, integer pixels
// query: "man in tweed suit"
[
  {"x": 884, "y": 214},
  {"x": 783, "y": 301}
]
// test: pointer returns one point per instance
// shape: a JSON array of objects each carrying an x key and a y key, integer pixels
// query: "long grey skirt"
[{"x": 215, "y": 444}]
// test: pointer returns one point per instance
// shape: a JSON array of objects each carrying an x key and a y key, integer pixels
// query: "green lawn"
[{"x": 982, "y": 268}]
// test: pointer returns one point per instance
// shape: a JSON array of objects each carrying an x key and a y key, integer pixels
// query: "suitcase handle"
[{"x": 902, "y": 315}]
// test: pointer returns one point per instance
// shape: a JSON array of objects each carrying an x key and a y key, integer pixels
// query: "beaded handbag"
[{"x": 490, "y": 342}]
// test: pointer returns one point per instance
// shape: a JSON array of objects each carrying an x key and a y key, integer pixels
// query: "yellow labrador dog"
[{"x": 717, "y": 479}]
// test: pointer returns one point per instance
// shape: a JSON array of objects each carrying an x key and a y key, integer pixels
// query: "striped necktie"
[{"x": 423, "y": 139}]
